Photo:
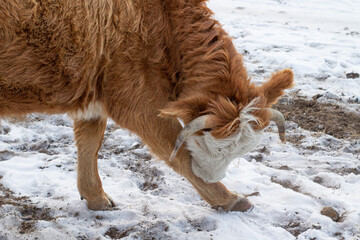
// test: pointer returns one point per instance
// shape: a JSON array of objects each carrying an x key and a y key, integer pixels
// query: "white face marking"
[
  {"x": 93, "y": 111},
  {"x": 211, "y": 157}
]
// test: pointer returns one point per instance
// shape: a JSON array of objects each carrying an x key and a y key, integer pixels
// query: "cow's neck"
[
  {"x": 162, "y": 58},
  {"x": 205, "y": 54}
]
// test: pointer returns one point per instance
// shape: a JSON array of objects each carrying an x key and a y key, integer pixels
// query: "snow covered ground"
[{"x": 288, "y": 183}]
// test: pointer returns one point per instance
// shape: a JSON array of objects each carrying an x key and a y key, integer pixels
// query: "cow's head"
[{"x": 222, "y": 124}]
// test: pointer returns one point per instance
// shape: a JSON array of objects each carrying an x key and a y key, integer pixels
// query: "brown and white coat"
[{"x": 143, "y": 64}]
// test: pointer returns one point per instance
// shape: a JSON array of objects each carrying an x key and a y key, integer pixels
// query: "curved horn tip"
[
  {"x": 173, "y": 155},
  {"x": 279, "y": 119},
  {"x": 197, "y": 124},
  {"x": 178, "y": 144}
]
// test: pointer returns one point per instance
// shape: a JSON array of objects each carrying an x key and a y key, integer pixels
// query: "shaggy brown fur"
[{"x": 133, "y": 58}]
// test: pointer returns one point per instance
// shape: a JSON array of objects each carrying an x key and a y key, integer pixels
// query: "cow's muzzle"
[{"x": 207, "y": 122}]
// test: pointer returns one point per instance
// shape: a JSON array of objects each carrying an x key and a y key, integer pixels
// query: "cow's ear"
[
  {"x": 274, "y": 88},
  {"x": 186, "y": 109}
]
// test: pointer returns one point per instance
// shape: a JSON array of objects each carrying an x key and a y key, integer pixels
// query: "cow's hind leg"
[
  {"x": 89, "y": 135},
  {"x": 216, "y": 194}
]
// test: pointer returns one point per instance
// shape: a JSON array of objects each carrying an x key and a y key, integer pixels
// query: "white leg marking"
[{"x": 93, "y": 111}]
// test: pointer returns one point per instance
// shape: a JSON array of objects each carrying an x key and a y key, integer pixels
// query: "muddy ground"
[
  {"x": 315, "y": 116},
  {"x": 28, "y": 212}
]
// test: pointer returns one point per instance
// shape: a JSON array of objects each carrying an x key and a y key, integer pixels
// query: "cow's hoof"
[
  {"x": 239, "y": 204},
  {"x": 242, "y": 205},
  {"x": 103, "y": 203}
]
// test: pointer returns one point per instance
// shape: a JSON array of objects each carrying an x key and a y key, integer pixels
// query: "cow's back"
[{"x": 51, "y": 51}]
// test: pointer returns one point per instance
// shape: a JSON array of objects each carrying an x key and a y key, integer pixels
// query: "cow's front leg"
[
  {"x": 219, "y": 197},
  {"x": 216, "y": 194},
  {"x": 89, "y": 135}
]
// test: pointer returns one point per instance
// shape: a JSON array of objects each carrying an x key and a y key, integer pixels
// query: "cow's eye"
[{"x": 207, "y": 129}]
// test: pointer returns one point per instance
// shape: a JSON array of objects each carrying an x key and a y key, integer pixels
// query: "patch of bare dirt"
[
  {"x": 30, "y": 214},
  {"x": 6, "y": 155},
  {"x": 352, "y": 75},
  {"x": 151, "y": 176},
  {"x": 321, "y": 117},
  {"x": 144, "y": 230},
  {"x": 286, "y": 184},
  {"x": 331, "y": 213},
  {"x": 115, "y": 233},
  {"x": 140, "y": 164},
  {"x": 290, "y": 185},
  {"x": 346, "y": 171},
  {"x": 295, "y": 228},
  {"x": 298, "y": 227}
]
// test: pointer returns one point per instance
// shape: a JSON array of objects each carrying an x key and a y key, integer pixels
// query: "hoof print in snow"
[{"x": 331, "y": 213}]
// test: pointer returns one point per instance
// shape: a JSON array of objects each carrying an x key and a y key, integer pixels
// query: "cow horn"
[
  {"x": 279, "y": 120},
  {"x": 192, "y": 127}
]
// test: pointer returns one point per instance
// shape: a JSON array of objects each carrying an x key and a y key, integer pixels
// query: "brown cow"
[{"x": 143, "y": 64}]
